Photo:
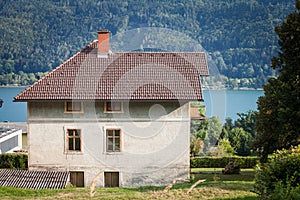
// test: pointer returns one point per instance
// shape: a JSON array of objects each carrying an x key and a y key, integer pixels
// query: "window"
[
  {"x": 74, "y": 140},
  {"x": 71, "y": 106},
  {"x": 77, "y": 179},
  {"x": 113, "y": 140},
  {"x": 111, "y": 179},
  {"x": 113, "y": 107}
]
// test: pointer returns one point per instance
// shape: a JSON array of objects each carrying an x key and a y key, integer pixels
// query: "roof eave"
[{"x": 34, "y": 100}]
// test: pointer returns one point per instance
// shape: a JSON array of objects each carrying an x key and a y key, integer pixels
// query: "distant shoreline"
[
  {"x": 13, "y": 86},
  {"x": 242, "y": 89},
  {"x": 204, "y": 88}
]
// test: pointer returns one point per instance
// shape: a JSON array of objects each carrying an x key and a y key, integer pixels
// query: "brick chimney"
[{"x": 103, "y": 43}]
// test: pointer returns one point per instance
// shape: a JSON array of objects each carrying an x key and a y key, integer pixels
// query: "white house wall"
[{"x": 154, "y": 141}]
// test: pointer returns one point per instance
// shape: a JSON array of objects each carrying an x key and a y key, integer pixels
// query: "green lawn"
[
  {"x": 216, "y": 174},
  {"x": 217, "y": 186}
]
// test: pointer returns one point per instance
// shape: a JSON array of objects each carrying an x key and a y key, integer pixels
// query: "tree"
[
  {"x": 224, "y": 148},
  {"x": 247, "y": 122},
  {"x": 240, "y": 140},
  {"x": 278, "y": 119},
  {"x": 214, "y": 130},
  {"x": 228, "y": 125},
  {"x": 196, "y": 146},
  {"x": 199, "y": 132},
  {"x": 207, "y": 130}
]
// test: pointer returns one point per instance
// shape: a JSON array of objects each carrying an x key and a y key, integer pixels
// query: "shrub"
[
  {"x": 224, "y": 149},
  {"x": 232, "y": 168},
  {"x": 220, "y": 162},
  {"x": 285, "y": 191},
  {"x": 13, "y": 161},
  {"x": 280, "y": 177}
]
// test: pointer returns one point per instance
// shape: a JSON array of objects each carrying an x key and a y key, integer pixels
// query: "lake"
[
  {"x": 227, "y": 103},
  {"x": 222, "y": 103}
]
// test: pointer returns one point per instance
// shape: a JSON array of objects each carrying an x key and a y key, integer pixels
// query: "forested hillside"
[{"x": 38, "y": 35}]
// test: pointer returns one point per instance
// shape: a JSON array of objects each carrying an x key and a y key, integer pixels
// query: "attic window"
[
  {"x": 73, "y": 107},
  {"x": 113, "y": 107}
]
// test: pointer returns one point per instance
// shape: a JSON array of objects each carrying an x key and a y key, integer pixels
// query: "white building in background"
[{"x": 10, "y": 140}]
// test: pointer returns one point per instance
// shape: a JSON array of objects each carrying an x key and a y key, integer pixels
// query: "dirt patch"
[{"x": 63, "y": 195}]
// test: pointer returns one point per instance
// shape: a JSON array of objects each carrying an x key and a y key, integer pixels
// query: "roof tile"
[{"x": 123, "y": 75}]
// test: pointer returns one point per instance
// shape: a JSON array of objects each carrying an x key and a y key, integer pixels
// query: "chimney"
[{"x": 103, "y": 43}]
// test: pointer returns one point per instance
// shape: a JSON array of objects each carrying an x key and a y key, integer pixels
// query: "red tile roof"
[{"x": 122, "y": 76}]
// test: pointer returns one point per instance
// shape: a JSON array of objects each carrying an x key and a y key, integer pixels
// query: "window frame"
[
  {"x": 111, "y": 179},
  {"x": 66, "y": 107},
  {"x": 107, "y": 137},
  {"x": 76, "y": 174},
  {"x": 68, "y": 150},
  {"x": 106, "y": 106}
]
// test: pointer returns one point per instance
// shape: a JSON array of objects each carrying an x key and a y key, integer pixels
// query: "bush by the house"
[
  {"x": 284, "y": 191},
  {"x": 13, "y": 161},
  {"x": 280, "y": 177},
  {"x": 221, "y": 162}
]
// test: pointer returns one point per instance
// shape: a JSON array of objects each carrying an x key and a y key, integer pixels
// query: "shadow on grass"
[
  {"x": 242, "y": 198},
  {"x": 225, "y": 185},
  {"x": 244, "y": 176},
  {"x": 243, "y": 181}
]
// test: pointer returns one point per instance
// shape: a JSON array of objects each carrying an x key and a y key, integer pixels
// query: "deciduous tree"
[{"x": 278, "y": 120}]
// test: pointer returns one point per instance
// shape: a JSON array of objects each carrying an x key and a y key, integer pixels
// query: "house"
[
  {"x": 17, "y": 126},
  {"x": 10, "y": 139},
  {"x": 119, "y": 118}
]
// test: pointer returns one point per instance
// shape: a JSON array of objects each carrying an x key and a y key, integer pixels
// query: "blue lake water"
[
  {"x": 221, "y": 103},
  {"x": 12, "y": 111},
  {"x": 227, "y": 103}
]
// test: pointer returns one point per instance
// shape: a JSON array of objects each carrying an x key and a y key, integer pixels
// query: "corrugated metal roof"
[
  {"x": 15, "y": 125},
  {"x": 122, "y": 76},
  {"x": 33, "y": 179}
]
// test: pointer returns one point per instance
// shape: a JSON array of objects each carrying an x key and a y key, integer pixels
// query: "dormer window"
[
  {"x": 73, "y": 107},
  {"x": 113, "y": 107}
]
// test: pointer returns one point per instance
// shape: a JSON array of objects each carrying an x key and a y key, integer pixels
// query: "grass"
[
  {"x": 213, "y": 174},
  {"x": 217, "y": 186}
]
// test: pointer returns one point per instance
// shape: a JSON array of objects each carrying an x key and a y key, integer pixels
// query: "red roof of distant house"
[{"x": 121, "y": 76}]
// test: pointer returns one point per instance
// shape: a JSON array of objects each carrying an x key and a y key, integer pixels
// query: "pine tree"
[{"x": 278, "y": 119}]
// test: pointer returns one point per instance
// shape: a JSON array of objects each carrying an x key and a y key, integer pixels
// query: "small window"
[
  {"x": 73, "y": 107},
  {"x": 111, "y": 179},
  {"x": 77, "y": 179},
  {"x": 113, "y": 107},
  {"x": 73, "y": 140},
  {"x": 113, "y": 140}
]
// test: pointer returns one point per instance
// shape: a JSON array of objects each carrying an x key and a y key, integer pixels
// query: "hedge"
[
  {"x": 221, "y": 162},
  {"x": 13, "y": 161}
]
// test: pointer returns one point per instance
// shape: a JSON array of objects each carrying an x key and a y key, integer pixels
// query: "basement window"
[
  {"x": 73, "y": 107},
  {"x": 74, "y": 140},
  {"x": 113, "y": 107},
  {"x": 77, "y": 179},
  {"x": 111, "y": 179}
]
